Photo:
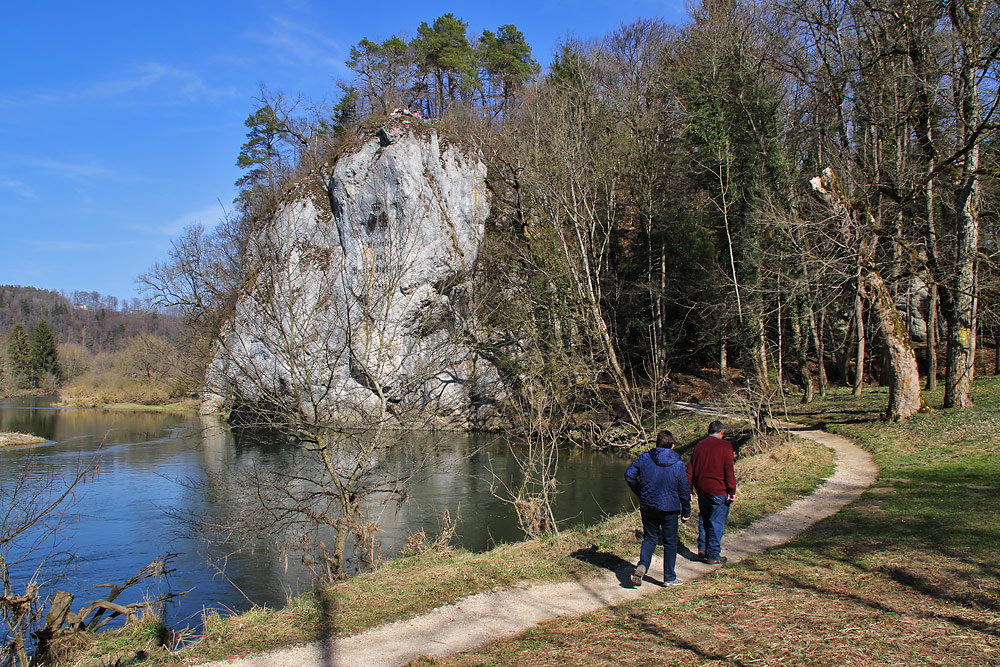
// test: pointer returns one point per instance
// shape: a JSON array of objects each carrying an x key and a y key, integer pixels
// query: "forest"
[
  {"x": 789, "y": 195},
  {"x": 83, "y": 342}
]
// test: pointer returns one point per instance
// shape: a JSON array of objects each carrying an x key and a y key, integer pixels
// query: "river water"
[{"x": 149, "y": 468}]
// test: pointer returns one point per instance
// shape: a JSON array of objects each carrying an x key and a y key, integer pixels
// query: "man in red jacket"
[{"x": 711, "y": 476}]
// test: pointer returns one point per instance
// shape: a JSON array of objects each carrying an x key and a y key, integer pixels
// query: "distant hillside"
[{"x": 99, "y": 323}]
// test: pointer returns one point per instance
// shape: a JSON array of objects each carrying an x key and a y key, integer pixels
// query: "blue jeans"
[
  {"x": 659, "y": 526},
  {"x": 712, "y": 514}
]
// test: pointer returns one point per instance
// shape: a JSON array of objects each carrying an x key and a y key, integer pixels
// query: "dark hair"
[
  {"x": 665, "y": 439},
  {"x": 716, "y": 427}
]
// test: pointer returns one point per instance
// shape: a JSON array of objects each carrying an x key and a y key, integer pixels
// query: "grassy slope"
[
  {"x": 907, "y": 575},
  {"x": 409, "y": 586}
]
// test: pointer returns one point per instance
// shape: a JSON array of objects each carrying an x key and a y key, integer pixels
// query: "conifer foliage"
[
  {"x": 44, "y": 355},
  {"x": 19, "y": 357}
]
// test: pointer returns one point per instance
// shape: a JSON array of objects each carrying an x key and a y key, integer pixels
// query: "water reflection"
[{"x": 153, "y": 466}]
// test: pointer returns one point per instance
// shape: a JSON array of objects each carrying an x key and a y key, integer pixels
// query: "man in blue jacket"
[{"x": 659, "y": 479}]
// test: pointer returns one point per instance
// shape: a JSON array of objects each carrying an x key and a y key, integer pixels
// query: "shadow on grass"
[
  {"x": 665, "y": 636},
  {"x": 928, "y": 535},
  {"x": 925, "y": 586},
  {"x": 614, "y": 563},
  {"x": 609, "y": 561},
  {"x": 932, "y": 508},
  {"x": 931, "y": 615}
]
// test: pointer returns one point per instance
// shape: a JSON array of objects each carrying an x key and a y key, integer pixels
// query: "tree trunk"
[
  {"x": 817, "y": 340},
  {"x": 962, "y": 314},
  {"x": 932, "y": 325},
  {"x": 779, "y": 357},
  {"x": 996, "y": 352},
  {"x": 968, "y": 23},
  {"x": 904, "y": 392},
  {"x": 799, "y": 317},
  {"x": 760, "y": 356},
  {"x": 843, "y": 354},
  {"x": 932, "y": 304},
  {"x": 859, "y": 330}
]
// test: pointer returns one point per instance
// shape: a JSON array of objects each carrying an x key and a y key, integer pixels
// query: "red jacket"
[{"x": 710, "y": 472}]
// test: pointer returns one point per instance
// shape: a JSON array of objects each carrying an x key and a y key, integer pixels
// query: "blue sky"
[{"x": 120, "y": 122}]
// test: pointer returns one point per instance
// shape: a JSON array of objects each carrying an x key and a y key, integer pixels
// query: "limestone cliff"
[{"x": 359, "y": 289}]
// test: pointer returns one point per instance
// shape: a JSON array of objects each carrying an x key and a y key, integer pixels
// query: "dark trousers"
[{"x": 659, "y": 527}]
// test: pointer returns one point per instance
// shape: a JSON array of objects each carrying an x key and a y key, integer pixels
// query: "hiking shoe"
[
  {"x": 717, "y": 560},
  {"x": 637, "y": 576},
  {"x": 702, "y": 555},
  {"x": 673, "y": 582}
]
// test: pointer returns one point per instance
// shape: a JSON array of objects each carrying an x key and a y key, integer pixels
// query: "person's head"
[
  {"x": 665, "y": 439},
  {"x": 715, "y": 428}
]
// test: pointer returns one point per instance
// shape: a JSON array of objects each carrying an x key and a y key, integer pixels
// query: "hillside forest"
[
  {"x": 777, "y": 197},
  {"x": 88, "y": 345}
]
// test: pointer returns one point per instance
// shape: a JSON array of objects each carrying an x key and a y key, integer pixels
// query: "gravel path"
[{"x": 485, "y": 617}]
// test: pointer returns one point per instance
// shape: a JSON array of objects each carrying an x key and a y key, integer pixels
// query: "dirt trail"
[{"x": 486, "y": 617}]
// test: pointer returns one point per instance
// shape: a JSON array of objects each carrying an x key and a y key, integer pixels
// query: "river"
[{"x": 149, "y": 468}]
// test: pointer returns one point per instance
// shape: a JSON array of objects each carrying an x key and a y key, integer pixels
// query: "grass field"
[{"x": 908, "y": 575}]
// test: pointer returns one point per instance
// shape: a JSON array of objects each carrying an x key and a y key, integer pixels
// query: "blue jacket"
[{"x": 659, "y": 479}]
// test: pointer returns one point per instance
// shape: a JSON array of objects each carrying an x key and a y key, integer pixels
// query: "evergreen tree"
[
  {"x": 345, "y": 112},
  {"x": 448, "y": 59},
  {"x": 44, "y": 355},
  {"x": 19, "y": 356},
  {"x": 383, "y": 71},
  {"x": 260, "y": 155},
  {"x": 506, "y": 59}
]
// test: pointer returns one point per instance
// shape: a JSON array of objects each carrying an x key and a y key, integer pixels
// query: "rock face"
[{"x": 359, "y": 293}]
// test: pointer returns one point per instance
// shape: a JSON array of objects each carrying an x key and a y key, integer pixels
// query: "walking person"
[
  {"x": 711, "y": 476},
  {"x": 659, "y": 479}
]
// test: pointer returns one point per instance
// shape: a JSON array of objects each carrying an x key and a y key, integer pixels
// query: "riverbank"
[
  {"x": 136, "y": 402},
  {"x": 412, "y": 585},
  {"x": 181, "y": 406},
  {"x": 907, "y": 575}
]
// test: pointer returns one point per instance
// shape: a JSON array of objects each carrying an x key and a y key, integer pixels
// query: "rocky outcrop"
[{"x": 359, "y": 292}]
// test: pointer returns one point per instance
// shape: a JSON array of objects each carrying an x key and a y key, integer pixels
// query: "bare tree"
[
  {"x": 904, "y": 392},
  {"x": 33, "y": 510},
  {"x": 539, "y": 416},
  {"x": 570, "y": 193}
]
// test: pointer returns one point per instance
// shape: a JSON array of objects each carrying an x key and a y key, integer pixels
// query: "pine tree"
[
  {"x": 19, "y": 357},
  {"x": 260, "y": 155},
  {"x": 44, "y": 355},
  {"x": 506, "y": 59},
  {"x": 445, "y": 55}
]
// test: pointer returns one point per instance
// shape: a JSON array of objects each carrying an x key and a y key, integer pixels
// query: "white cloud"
[
  {"x": 18, "y": 187},
  {"x": 207, "y": 216},
  {"x": 49, "y": 245},
  {"x": 300, "y": 43},
  {"x": 70, "y": 169},
  {"x": 172, "y": 81},
  {"x": 162, "y": 84}
]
